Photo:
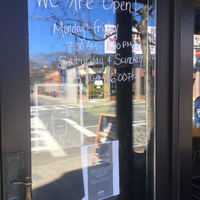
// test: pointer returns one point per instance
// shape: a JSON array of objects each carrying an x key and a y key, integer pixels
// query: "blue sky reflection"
[{"x": 46, "y": 36}]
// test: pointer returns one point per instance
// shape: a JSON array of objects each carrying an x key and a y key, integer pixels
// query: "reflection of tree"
[
  {"x": 37, "y": 73},
  {"x": 140, "y": 20},
  {"x": 64, "y": 14},
  {"x": 42, "y": 63},
  {"x": 142, "y": 30}
]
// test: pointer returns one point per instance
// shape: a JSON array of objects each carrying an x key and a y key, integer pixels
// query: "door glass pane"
[
  {"x": 92, "y": 83},
  {"x": 144, "y": 102}
]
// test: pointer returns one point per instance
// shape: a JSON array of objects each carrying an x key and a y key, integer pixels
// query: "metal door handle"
[{"x": 27, "y": 183}]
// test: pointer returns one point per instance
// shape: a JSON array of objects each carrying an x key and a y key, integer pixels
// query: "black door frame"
[
  {"x": 163, "y": 61},
  {"x": 173, "y": 92},
  {"x": 14, "y": 83},
  {"x": 182, "y": 99},
  {"x": 175, "y": 29}
]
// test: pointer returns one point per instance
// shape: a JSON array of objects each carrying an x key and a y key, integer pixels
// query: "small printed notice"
[
  {"x": 110, "y": 42},
  {"x": 100, "y": 176}
]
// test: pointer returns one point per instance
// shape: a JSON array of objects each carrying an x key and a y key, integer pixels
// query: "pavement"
[
  {"x": 57, "y": 135},
  {"x": 92, "y": 102}
]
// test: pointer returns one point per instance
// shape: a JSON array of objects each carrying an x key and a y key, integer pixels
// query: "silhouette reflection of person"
[
  {"x": 104, "y": 151},
  {"x": 105, "y": 133}
]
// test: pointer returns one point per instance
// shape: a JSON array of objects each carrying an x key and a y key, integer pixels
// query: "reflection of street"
[
  {"x": 64, "y": 123},
  {"x": 58, "y": 132}
]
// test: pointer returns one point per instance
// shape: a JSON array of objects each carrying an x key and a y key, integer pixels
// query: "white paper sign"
[{"x": 100, "y": 177}]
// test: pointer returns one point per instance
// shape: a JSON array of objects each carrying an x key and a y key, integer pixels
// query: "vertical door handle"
[{"x": 27, "y": 183}]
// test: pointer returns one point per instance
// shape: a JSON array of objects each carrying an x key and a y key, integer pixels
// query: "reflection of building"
[
  {"x": 52, "y": 76},
  {"x": 93, "y": 72},
  {"x": 98, "y": 75}
]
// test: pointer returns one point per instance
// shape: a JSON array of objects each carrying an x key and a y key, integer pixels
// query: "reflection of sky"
[{"x": 42, "y": 39}]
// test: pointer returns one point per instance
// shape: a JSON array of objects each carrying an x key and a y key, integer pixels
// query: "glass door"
[
  {"x": 92, "y": 91},
  {"x": 93, "y": 114}
]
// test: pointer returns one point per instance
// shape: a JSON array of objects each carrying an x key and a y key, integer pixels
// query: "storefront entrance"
[{"x": 96, "y": 99}]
